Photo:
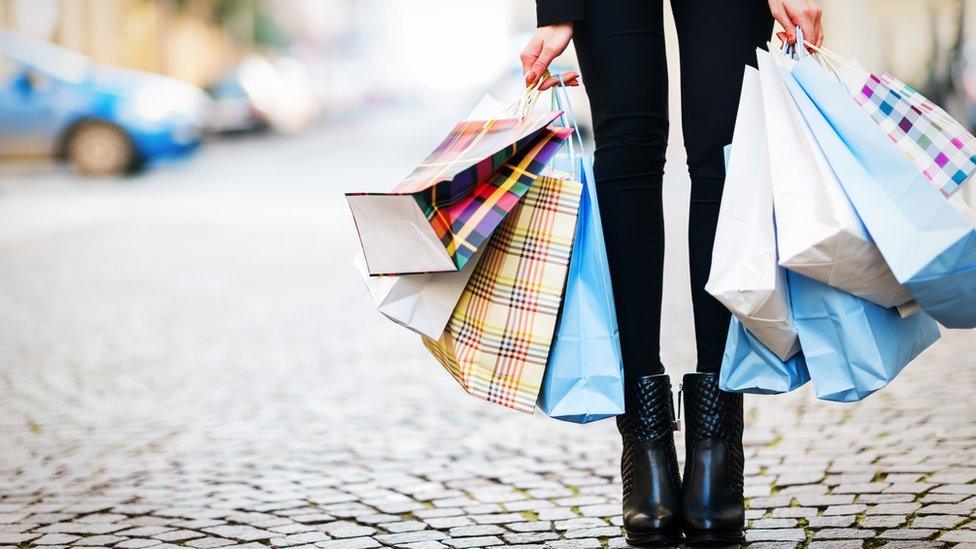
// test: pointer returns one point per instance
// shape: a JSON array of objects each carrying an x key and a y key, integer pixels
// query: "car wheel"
[{"x": 99, "y": 148}]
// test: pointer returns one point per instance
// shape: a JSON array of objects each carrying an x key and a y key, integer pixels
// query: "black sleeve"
[{"x": 558, "y": 11}]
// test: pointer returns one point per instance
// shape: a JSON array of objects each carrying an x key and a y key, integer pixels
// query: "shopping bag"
[
  {"x": 851, "y": 346},
  {"x": 438, "y": 216},
  {"x": 937, "y": 145},
  {"x": 929, "y": 243},
  {"x": 584, "y": 378},
  {"x": 498, "y": 340},
  {"x": 745, "y": 276},
  {"x": 422, "y": 303},
  {"x": 818, "y": 232},
  {"x": 750, "y": 367}
]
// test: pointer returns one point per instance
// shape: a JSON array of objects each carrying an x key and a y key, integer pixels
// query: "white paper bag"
[
  {"x": 422, "y": 303},
  {"x": 745, "y": 276},
  {"x": 819, "y": 235}
]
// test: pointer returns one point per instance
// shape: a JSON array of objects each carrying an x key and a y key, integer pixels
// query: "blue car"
[{"x": 103, "y": 120}]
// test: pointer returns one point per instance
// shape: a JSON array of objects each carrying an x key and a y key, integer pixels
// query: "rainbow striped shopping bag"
[{"x": 439, "y": 216}]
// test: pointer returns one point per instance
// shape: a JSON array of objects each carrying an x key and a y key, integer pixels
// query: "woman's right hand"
[{"x": 546, "y": 44}]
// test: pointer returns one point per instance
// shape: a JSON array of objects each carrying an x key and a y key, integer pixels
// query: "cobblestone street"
[{"x": 187, "y": 358}]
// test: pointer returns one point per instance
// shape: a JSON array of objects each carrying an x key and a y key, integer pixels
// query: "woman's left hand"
[{"x": 798, "y": 13}]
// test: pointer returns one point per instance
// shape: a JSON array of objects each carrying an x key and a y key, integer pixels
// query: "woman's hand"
[
  {"x": 546, "y": 44},
  {"x": 798, "y": 13}
]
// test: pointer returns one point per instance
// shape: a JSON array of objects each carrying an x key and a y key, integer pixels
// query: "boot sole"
[
  {"x": 714, "y": 538},
  {"x": 652, "y": 539}
]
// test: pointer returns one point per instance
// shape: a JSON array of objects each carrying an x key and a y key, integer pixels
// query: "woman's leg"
[
  {"x": 621, "y": 54},
  {"x": 716, "y": 39}
]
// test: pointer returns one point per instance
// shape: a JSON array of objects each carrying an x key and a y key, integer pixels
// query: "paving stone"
[
  {"x": 138, "y": 543},
  {"x": 484, "y": 541},
  {"x": 54, "y": 539},
  {"x": 536, "y": 526},
  {"x": 823, "y": 500},
  {"x": 843, "y": 533},
  {"x": 836, "y": 544},
  {"x": 177, "y": 535},
  {"x": 795, "y": 512},
  {"x": 410, "y": 537},
  {"x": 959, "y": 536},
  {"x": 240, "y": 532},
  {"x": 529, "y": 537},
  {"x": 350, "y": 543},
  {"x": 832, "y": 521},
  {"x": 209, "y": 542},
  {"x": 893, "y": 508},
  {"x": 777, "y": 534},
  {"x": 913, "y": 533},
  {"x": 845, "y": 509},
  {"x": 773, "y": 523},
  {"x": 478, "y": 530},
  {"x": 99, "y": 540},
  {"x": 414, "y": 525},
  {"x": 347, "y": 529},
  {"x": 585, "y": 543},
  {"x": 299, "y": 539},
  {"x": 883, "y": 521}
]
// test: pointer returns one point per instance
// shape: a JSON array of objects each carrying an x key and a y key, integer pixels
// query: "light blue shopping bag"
[
  {"x": 750, "y": 367},
  {"x": 584, "y": 378},
  {"x": 929, "y": 245},
  {"x": 850, "y": 347}
]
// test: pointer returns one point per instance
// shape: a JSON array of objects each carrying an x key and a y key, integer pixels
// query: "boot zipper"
[{"x": 676, "y": 424}]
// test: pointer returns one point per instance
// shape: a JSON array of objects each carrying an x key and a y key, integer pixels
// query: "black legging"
[{"x": 620, "y": 44}]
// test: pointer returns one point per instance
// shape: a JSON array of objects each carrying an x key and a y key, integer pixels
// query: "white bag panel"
[
  {"x": 745, "y": 276},
  {"x": 819, "y": 233}
]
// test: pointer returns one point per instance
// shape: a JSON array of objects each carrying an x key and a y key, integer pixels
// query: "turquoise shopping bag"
[
  {"x": 929, "y": 243},
  {"x": 750, "y": 367},
  {"x": 584, "y": 378}
]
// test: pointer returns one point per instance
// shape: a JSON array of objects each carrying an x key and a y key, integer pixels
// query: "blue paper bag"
[
  {"x": 750, "y": 367},
  {"x": 584, "y": 378},
  {"x": 853, "y": 347},
  {"x": 929, "y": 244}
]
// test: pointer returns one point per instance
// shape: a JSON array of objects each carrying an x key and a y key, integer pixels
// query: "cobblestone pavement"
[{"x": 188, "y": 359}]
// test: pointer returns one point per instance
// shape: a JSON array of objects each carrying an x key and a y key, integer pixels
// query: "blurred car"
[
  {"x": 104, "y": 120},
  {"x": 233, "y": 111},
  {"x": 260, "y": 93}
]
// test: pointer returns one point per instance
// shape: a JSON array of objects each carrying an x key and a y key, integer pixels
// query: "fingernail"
[{"x": 530, "y": 77}]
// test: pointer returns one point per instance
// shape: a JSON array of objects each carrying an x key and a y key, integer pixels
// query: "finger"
[
  {"x": 573, "y": 81},
  {"x": 528, "y": 58},
  {"x": 782, "y": 37},
  {"x": 804, "y": 18},
  {"x": 541, "y": 63},
  {"x": 820, "y": 32},
  {"x": 783, "y": 18},
  {"x": 549, "y": 83}
]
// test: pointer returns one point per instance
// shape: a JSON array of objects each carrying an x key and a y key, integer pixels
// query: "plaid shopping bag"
[
  {"x": 938, "y": 146},
  {"x": 439, "y": 216},
  {"x": 497, "y": 342}
]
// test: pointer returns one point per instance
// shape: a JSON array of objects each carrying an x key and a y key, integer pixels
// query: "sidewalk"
[{"x": 188, "y": 359}]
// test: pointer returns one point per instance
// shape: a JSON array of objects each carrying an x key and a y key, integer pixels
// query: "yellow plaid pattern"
[{"x": 497, "y": 342}]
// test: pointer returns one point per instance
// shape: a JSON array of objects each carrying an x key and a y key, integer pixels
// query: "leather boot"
[
  {"x": 649, "y": 464},
  {"x": 713, "y": 507}
]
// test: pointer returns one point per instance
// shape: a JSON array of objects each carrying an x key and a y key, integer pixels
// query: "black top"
[{"x": 558, "y": 11}]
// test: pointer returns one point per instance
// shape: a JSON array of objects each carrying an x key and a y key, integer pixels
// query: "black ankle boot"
[
  {"x": 649, "y": 465},
  {"x": 712, "y": 508}
]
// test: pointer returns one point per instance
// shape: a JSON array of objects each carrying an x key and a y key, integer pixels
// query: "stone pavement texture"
[{"x": 188, "y": 359}]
